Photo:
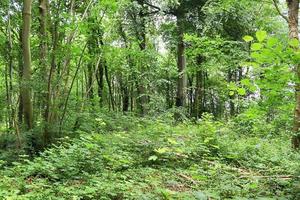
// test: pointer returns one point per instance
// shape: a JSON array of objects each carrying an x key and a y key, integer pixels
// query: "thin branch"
[
  {"x": 153, "y": 6},
  {"x": 158, "y": 9},
  {"x": 279, "y": 12}
]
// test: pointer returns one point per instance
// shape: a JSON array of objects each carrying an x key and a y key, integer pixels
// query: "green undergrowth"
[{"x": 158, "y": 160}]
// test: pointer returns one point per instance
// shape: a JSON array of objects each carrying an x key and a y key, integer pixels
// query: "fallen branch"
[{"x": 188, "y": 178}]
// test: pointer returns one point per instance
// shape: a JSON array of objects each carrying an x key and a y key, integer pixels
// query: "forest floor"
[{"x": 147, "y": 159}]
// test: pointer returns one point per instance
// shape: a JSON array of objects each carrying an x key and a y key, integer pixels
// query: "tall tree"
[
  {"x": 26, "y": 73},
  {"x": 43, "y": 8},
  {"x": 181, "y": 60},
  {"x": 293, "y": 14}
]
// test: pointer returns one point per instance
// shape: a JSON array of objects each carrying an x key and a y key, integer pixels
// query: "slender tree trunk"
[
  {"x": 127, "y": 98},
  {"x": 190, "y": 94},
  {"x": 198, "y": 95},
  {"x": 100, "y": 82},
  {"x": 9, "y": 75},
  {"x": 50, "y": 110},
  {"x": 111, "y": 97},
  {"x": 293, "y": 14},
  {"x": 8, "y": 97},
  {"x": 168, "y": 92},
  {"x": 231, "y": 97},
  {"x": 89, "y": 88},
  {"x": 181, "y": 63},
  {"x": 125, "y": 95},
  {"x": 26, "y": 74},
  {"x": 43, "y": 8},
  {"x": 20, "y": 72}
]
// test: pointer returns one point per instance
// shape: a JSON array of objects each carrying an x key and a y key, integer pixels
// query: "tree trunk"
[
  {"x": 8, "y": 76},
  {"x": 141, "y": 88},
  {"x": 231, "y": 97},
  {"x": 100, "y": 82},
  {"x": 20, "y": 72},
  {"x": 26, "y": 74},
  {"x": 198, "y": 94},
  {"x": 89, "y": 88},
  {"x": 181, "y": 63},
  {"x": 293, "y": 14},
  {"x": 125, "y": 95},
  {"x": 190, "y": 105},
  {"x": 111, "y": 97},
  {"x": 43, "y": 8}
]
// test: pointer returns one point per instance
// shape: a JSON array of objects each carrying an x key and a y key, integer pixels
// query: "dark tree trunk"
[
  {"x": 111, "y": 97},
  {"x": 198, "y": 94},
  {"x": 181, "y": 63},
  {"x": 100, "y": 82},
  {"x": 231, "y": 97},
  {"x": 125, "y": 96}
]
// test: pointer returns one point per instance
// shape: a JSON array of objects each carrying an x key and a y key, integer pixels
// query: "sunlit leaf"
[
  {"x": 248, "y": 38},
  {"x": 261, "y": 35}
]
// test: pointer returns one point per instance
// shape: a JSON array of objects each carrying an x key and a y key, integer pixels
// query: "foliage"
[
  {"x": 148, "y": 99},
  {"x": 158, "y": 161}
]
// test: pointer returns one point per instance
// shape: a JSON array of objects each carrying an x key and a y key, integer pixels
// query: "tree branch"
[
  {"x": 279, "y": 12},
  {"x": 158, "y": 9},
  {"x": 153, "y": 6}
]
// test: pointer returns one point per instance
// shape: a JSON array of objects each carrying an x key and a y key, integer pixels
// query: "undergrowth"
[{"x": 152, "y": 159}]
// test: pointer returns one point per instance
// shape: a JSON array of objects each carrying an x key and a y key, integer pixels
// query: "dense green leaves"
[
  {"x": 208, "y": 159},
  {"x": 148, "y": 99}
]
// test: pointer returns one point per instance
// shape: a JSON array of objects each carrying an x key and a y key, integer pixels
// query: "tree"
[
  {"x": 26, "y": 74},
  {"x": 293, "y": 15}
]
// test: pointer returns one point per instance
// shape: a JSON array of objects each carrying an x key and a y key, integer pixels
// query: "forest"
[{"x": 149, "y": 100}]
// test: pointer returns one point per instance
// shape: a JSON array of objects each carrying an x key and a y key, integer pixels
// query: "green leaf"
[
  {"x": 248, "y": 38},
  {"x": 256, "y": 55},
  {"x": 261, "y": 35},
  {"x": 272, "y": 41},
  {"x": 231, "y": 93},
  {"x": 246, "y": 82},
  {"x": 256, "y": 46},
  {"x": 294, "y": 43},
  {"x": 241, "y": 91}
]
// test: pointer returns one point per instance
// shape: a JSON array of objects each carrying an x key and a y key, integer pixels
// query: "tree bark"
[
  {"x": 181, "y": 63},
  {"x": 293, "y": 14},
  {"x": 43, "y": 8},
  {"x": 89, "y": 88},
  {"x": 141, "y": 88},
  {"x": 26, "y": 73},
  {"x": 111, "y": 97},
  {"x": 100, "y": 82},
  {"x": 198, "y": 94}
]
